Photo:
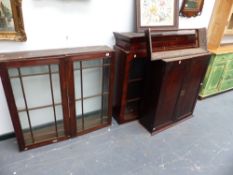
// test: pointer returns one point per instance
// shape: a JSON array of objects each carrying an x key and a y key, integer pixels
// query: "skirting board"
[{"x": 7, "y": 136}]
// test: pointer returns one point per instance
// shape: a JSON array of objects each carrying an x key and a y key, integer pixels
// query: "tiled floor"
[{"x": 201, "y": 145}]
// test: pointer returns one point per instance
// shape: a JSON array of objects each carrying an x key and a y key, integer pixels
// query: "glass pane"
[
  {"x": 106, "y": 77},
  {"x": 105, "y": 109},
  {"x": 25, "y": 128},
  {"x": 37, "y": 90},
  {"x": 18, "y": 93},
  {"x": 90, "y": 63},
  {"x": 43, "y": 124},
  {"x": 77, "y": 65},
  {"x": 92, "y": 112},
  {"x": 56, "y": 88},
  {"x": 77, "y": 84},
  {"x": 92, "y": 82},
  {"x": 34, "y": 70},
  {"x": 54, "y": 68},
  {"x": 13, "y": 72},
  {"x": 78, "y": 110},
  {"x": 137, "y": 68},
  {"x": 60, "y": 123},
  {"x": 134, "y": 90}
]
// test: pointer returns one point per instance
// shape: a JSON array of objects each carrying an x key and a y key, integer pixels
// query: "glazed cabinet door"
[
  {"x": 90, "y": 94},
  {"x": 34, "y": 94},
  {"x": 195, "y": 70}
]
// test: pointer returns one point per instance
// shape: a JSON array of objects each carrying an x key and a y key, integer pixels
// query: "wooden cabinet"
[
  {"x": 219, "y": 77},
  {"x": 129, "y": 79},
  {"x": 57, "y": 94},
  {"x": 131, "y": 61},
  {"x": 171, "y": 89}
]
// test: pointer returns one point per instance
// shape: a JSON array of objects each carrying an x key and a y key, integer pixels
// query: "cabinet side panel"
[
  {"x": 120, "y": 59},
  {"x": 150, "y": 98}
]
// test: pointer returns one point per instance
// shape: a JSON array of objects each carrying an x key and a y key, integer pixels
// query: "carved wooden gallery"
[{"x": 154, "y": 74}]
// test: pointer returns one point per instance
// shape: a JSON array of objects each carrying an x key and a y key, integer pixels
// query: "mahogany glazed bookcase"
[{"x": 53, "y": 95}]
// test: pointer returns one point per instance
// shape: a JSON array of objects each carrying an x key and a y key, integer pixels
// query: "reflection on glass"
[
  {"x": 105, "y": 109},
  {"x": 54, "y": 68},
  {"x": 25, "y": 128},
  {"x": 34, "y": 70},
  {"x": 37, "y": 90},
  {"x": 18, "y": 93},
  {"x": 60, "y": 123},
  {"x": 93, "y": 75},
  {"x": 91, "y": 63},
  {"x": 92, "y": 78},
  {"x": 106, "y": 78},
  {"x": 92, "y": 112},
  {"x": 56, "y": 88},
  {"x": 13, "y": 72},
  {"x": 78, "y": 109},
  {"x": 40, "y": 119},
  {"x": 43, "y": 124},
  {"x": 77, "y": 84}
]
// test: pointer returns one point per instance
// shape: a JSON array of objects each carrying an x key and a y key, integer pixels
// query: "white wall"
[{"x": 72, "y": 23}]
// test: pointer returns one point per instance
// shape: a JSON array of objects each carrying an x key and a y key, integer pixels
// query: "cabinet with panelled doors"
[
  {"x": 171, "y": 88},
  {"x": 53, "y": 95},
  {"x": 219, "y": 77}
]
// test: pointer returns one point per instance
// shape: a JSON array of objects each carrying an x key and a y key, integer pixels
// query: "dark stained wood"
[
  {"x": 195, "y": 72},
  {"x": 166, "y": 77},
  {"x": 63, "y": 69},
  {"x": 172, "y": 83},
  {"x": 64, "y": 58},
  {"x": 171, "y": 91},
  {"x": 12, "y": 106},
  {"x": 63, "y": 52}
]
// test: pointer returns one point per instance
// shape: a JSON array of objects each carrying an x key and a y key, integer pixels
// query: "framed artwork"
[
  {"x": 11, "y": 20},
  {"x": 157, "y": 14},
  {"x": 191, "y": 8}
]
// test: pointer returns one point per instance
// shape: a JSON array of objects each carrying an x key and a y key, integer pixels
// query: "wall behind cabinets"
[{"x": 71, "y": 23}]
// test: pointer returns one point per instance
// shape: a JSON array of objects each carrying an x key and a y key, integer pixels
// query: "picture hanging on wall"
[
  {"x": 11, "y": 20},
  {"x": 157, "y": 14},
  {"x": 191, "y": 8}
]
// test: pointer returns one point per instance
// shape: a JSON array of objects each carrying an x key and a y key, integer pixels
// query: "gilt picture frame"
[
  {"x": 11, "y": 21},
  {"x": 157, "y": 14}
]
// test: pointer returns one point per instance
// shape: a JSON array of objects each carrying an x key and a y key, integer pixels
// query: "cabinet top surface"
[
  {"x": 4, "y": 57},
  {"x": 134, "y": 35}
]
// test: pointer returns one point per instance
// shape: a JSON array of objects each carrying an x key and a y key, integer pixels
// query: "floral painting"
[
  {"x": 157, "y": 12},
  {"x": 6, "y": 16}
]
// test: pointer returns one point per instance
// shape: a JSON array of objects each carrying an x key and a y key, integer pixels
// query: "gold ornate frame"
[{"x": 19, "y": 33}]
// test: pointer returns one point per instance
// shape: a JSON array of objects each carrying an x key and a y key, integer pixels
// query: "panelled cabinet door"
[
  {"x": 213, "y": 83},
  {"x": 91, "y": 103},
  {"x": 172, "y": 82},
  {"x": 195, "y": 69},
  {"x": 227, "y": 78},
  {"x": 38, "y": 99}
]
